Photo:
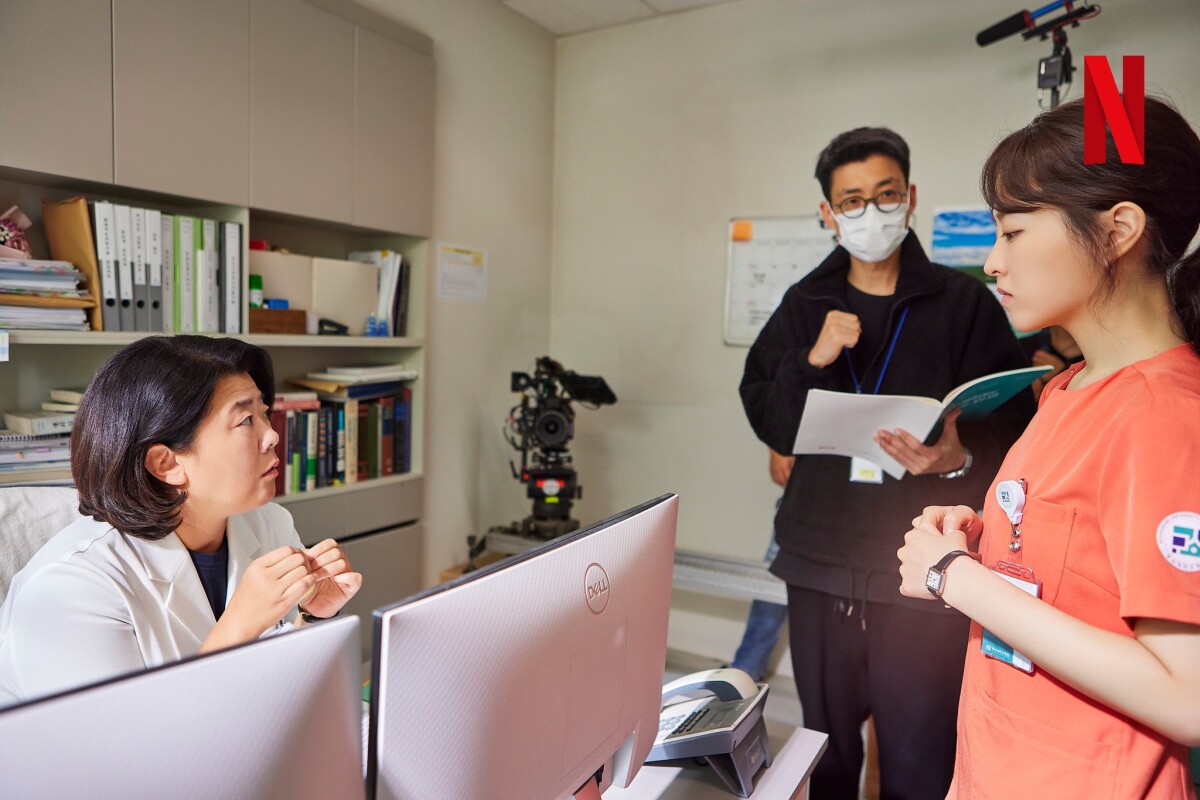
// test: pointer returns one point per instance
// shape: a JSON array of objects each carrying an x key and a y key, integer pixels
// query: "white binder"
[
  {"x": 208, "y": 298},
  {"x": 231, "y": 277},
  {"x": 154, "y": 265},
  {"x": 168, "y": 274},
  {"x": 124, "y": 266},
  {"x": 103, "y": 223},
  {"x": 185, "y": 274},
  {"x": 141, "y": 287}
]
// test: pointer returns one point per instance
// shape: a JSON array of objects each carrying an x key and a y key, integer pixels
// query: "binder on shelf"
[
  {"x": 400, "y": 307},
  {"x": 141, "y": 285},
  {"x": 69, "y": 234},
  {"x": 231, "y": 277},
  {"x": 154, "y": 267},
  {"x": 167, "y": 241},
  {"x": 123, "y": 228},
  {"x": 185, "y": 274},
  {"x": 208, "y": 305}
]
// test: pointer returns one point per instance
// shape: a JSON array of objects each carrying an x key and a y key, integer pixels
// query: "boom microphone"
[
  {"x": 1020, "y": 21},
  {"x": 1006, "y": 27}
]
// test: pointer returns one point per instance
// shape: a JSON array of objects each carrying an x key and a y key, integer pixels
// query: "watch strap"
[
  {"x": 940, "y": 569},
  {"x": 310, "y": 618}
]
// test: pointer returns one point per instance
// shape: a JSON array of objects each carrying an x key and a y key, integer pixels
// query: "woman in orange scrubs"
[{"x": 1083, "y": 665}]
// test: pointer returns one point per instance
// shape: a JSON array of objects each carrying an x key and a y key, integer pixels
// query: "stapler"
[{"x": 329, "y": 327}]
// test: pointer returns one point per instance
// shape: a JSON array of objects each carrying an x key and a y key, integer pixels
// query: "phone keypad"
[{"x": 688, "y": 723}]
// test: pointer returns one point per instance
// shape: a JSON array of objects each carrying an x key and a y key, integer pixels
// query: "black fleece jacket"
[{"x": 840, "y": 537}]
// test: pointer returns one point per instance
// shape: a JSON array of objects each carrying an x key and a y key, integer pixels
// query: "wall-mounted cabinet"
[
  {"x": 181, "y": 97},
  {"x": 393, "y": 140},
  {"x": 57, "y": 87},
  {"x": 319, "y": 109},
  {"x": 302, "y": 117}
]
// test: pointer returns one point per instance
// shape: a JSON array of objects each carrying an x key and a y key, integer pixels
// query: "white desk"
[{"x": 794, "y": 754}]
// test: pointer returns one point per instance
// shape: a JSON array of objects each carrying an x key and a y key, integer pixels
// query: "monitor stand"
[{"x": 738, "y": 768}]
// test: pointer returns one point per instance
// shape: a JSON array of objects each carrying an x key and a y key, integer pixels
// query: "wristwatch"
[
  {"x": 961, "y": 471},
  {"x": 935, "y": 579},
  {"x": 310, "y": 619}
]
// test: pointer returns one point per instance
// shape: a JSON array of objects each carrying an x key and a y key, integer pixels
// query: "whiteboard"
[{"x": 766, "y": 256}]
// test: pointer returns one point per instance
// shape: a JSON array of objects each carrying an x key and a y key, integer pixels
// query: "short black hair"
[
  {"x": 859, "y": 145},
  {"x": 154, "y": 391}
]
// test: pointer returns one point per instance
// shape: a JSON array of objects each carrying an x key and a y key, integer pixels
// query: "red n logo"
[{"x": 1125, "y": 116}]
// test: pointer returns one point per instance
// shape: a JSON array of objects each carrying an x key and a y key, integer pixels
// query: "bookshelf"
[{"x": 117, "y": 119}]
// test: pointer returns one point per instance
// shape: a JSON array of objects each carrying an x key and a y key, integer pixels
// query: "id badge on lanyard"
[
  {"x": 1011, "y": 497},
  {"x": 862, "y": 470}
]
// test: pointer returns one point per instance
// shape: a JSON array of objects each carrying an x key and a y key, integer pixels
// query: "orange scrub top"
[{"x": 1112, "y": 530}]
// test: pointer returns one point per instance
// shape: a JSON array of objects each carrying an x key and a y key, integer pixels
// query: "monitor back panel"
[
  {"x": 276, "y": 718},
  {"x": 532, "y": 674}
]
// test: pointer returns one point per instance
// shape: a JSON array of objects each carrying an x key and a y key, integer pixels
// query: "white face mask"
[{"x": 874, "y": 236}]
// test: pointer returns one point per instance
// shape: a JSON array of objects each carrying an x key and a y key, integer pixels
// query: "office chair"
[{"x": 29, "y": 516}]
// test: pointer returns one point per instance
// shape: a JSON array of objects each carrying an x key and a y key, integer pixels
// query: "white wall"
[
  {"x": 492, "y": 179},
  {"x": 666, "y": 129}
]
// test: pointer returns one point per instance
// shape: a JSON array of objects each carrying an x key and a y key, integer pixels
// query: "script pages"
[{"x": 845, "y": 423}]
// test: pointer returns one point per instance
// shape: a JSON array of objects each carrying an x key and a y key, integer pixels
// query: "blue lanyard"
[{"x": 886, "y": 360}]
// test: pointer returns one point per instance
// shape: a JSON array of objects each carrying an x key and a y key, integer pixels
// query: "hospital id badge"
[
  {"x": 992, "y": 645},
  {"x": 863, "y": 471}
]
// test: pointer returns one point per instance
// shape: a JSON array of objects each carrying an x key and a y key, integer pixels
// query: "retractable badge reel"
[{"x": 1011, "y": 497}]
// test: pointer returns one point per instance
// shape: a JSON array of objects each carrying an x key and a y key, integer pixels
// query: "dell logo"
[{"x": 595, "y": 588}]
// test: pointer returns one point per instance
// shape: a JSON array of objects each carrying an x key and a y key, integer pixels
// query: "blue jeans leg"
[{"x": 762, "y": 631}]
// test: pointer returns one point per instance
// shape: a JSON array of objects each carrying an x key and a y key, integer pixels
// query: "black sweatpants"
[{"x": 905, "y": 668}]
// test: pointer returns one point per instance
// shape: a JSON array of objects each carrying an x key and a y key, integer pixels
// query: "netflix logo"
[{"x": 1123, "y": 112}]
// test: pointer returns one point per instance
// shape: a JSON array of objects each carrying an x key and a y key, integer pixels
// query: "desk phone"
[{"x": 726, "y": 729}]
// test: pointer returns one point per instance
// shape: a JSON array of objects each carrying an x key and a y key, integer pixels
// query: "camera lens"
[{"x": 553, "y": 428}]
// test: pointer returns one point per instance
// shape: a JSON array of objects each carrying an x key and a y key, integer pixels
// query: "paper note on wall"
[{"x": 461, "y": 271}]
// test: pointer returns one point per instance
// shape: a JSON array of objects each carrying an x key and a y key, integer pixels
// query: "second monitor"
[{"x": 530, "y": 677}]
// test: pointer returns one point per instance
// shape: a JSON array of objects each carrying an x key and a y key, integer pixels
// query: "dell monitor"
[
  {"x": 273, "y": 718},
  {"x": 531, "y": 677}
]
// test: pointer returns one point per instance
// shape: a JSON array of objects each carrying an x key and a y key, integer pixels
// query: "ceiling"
[{"x": 563, "y": 17}]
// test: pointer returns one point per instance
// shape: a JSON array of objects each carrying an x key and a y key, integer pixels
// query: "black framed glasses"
[{"x": 887, "y": 201}]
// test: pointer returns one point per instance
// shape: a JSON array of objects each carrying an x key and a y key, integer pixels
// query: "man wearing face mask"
[{"x": 877, "y": 317}]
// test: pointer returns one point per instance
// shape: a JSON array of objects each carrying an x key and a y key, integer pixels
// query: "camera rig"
[{"x": 540, "y": 426}]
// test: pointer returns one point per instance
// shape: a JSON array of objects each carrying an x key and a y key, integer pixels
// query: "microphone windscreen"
[{"x": 1005, "y": 27}]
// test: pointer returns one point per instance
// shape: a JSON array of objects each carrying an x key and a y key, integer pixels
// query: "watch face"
[{"x": 933, "y": 581}]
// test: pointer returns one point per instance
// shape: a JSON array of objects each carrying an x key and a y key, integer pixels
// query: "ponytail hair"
[
  {"x": 1041, "y": 166},
  {"x": 1183, "y": 283}
]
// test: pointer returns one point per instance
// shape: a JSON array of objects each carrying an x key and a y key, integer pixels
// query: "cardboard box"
[
  {"x": 279, "y": 320},
  {"x": 482, "y": 560}
]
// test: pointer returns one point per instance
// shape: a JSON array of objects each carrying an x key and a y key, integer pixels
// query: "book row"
[{"x": 342, "y": 442}]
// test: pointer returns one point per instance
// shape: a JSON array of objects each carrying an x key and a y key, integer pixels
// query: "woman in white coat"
[{"x": 180, "y": 550}]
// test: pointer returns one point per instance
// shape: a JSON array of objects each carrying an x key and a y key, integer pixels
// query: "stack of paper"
[
  {"x": 393, "y": 288},
  {"x": 39, "y": 278},
  {"x": 357, "y": 380},
  {"x": 21, "y": 453},
  {"x": 66, "y": 319}
]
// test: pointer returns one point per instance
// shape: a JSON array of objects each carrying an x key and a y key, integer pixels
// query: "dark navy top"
[{"x": 213, "y": 569}]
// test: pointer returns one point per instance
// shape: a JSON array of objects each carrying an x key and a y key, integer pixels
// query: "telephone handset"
[{"x": 725, "y": 729}]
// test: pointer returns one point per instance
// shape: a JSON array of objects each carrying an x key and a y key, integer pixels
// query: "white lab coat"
[{"x": 94, "y": 603}]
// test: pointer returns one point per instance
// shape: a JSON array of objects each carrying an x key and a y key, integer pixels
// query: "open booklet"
[{"x": 845, "y": 424}]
